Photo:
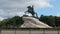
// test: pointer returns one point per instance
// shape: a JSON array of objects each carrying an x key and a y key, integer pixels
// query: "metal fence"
[{"x": 29, "y": 32}]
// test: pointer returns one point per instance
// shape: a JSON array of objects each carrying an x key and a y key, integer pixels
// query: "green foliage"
[
  {"x": 50, "y": 20},
  {"x": 57, "y": 21},
  {"x": 14, "y": 22}
]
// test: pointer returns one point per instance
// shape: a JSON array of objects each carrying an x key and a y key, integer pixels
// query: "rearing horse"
[{"x": 31, "y": 10}]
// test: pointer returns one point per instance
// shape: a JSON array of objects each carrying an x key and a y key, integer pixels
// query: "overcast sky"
[{"x": 10, "y": 8}]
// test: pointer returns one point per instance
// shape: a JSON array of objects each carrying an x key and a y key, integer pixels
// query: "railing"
[{"x": 19, "y": 31}]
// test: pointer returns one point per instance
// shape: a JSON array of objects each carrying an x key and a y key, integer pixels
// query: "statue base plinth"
[{"x": 30, "y": 22}]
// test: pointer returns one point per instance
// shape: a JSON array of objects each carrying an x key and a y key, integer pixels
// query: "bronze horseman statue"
[{"x": 31, "y": 11}]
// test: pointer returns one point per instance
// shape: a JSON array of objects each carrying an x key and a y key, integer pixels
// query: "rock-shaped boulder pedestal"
[{"x": 30, "y": 22}]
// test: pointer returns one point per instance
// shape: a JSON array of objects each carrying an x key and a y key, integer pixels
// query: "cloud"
[
  {"x": 41, "y": 3},
  {"x": 24, "y": 3},
  {"x": 58, "y": 15},
  {"x": 1, "y": 18},
  {"x": 10, "y": 8}
]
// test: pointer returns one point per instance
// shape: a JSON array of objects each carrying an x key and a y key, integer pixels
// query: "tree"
[
  {"x": 50, "y": 20},
  {"x": 14, "y": 22}
]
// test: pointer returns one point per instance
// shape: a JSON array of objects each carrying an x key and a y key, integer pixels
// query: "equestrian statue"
[{"x": 31, "y": 11}]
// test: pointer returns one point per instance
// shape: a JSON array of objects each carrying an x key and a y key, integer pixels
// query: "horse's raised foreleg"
[{"x": 26, "y": 12}]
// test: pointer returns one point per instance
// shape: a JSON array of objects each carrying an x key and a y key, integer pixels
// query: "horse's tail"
[{"x": 36, "y": 15}]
